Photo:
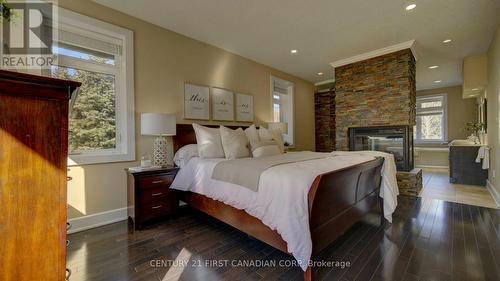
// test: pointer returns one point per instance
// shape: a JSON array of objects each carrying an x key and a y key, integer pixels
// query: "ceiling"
[{"x": 324, "y": 31}]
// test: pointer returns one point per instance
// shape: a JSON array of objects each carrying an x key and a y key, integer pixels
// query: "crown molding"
[
  {"x": 379, "y": 52},
  {"x": 324, "y": 82}
]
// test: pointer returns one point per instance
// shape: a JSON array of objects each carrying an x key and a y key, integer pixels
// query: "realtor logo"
[{"x": 27, "y": 34}]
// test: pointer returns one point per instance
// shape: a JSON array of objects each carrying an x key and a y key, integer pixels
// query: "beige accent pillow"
[
  {"x": 252, "y": 134},
  {"x": 265, "y": 148},
  {"x": 209, "y": 142},
  {"x": 272, "y": 135},
  {"x": 234, "y": 142}
]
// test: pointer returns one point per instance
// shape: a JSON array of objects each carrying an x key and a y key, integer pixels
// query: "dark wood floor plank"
[
  {"x": 473, "y": 263},
  {"x": 428, "y": 240}
]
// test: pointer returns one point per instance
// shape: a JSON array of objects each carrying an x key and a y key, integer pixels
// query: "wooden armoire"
[{"x": 33, "y": 157}]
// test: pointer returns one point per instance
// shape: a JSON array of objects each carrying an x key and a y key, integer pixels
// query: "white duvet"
[{"x": 281, "y": 201}]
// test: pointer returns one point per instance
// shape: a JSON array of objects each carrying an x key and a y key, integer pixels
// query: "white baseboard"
[
  {"x": 494, "y": 192},
  {"x": 96, "y": 220}
]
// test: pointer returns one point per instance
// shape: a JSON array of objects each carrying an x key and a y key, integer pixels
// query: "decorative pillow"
[
  {"x": 184, "y": 154},
  {"x": 265, "y": 148},
  {"x": 209, "y": 142},
  {"x": 234, "y": 143},
  {"x": 252, "y": 134},
  {"x": 272, "y": 135}
]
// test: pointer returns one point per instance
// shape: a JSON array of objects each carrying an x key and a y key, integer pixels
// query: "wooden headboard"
[{"x": 185, "y": 134}]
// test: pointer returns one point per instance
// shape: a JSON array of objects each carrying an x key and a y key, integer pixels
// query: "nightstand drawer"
[
  {"x": 155, "y": 181},
  {"x": 156, "y": 209},
  {"x": 154, "y": 195}
]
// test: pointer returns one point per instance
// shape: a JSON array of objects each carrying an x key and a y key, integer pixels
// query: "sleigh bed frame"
[{"x": 337, "y": 200}]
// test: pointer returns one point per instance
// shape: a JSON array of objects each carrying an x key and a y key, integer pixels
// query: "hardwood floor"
[{"x": 428, "y": 240}]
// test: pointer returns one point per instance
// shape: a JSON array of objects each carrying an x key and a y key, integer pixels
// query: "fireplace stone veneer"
[{"x": 379, "y": 91}]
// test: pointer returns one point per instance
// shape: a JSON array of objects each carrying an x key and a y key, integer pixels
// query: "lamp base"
[{"x": 160, "y": 152}]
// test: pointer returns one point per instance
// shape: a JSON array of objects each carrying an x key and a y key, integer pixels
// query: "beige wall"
[
  {"x": 164, "y": 60},
  {"x": 460, "y": 110},
  {"x": 493, "y": 92}
]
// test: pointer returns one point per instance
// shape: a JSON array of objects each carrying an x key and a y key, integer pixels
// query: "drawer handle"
[
  {"x": 68, "y": 274},
  {"x": 156, "y": 207},
  {"x": 69, "y": 178},
  {"x": 156, "y": 194},
  {"x": 158, "y": 181}
]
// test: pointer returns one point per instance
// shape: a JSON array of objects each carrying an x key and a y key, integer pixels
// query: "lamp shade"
[
  {"x": 281, "y": 126},
  {"x": 156, "y": 124}
]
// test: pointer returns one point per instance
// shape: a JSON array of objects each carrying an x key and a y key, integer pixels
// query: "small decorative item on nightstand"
[
  {"x": 149, "y": 196},
  {"x": 160, "y": 125}
]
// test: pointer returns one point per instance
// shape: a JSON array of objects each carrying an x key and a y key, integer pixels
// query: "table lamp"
[
  {"x": 280, "y": 126},
  {"x": 160, "y": 125}
]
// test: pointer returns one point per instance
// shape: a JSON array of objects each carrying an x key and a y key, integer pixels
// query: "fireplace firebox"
[{"x": 397, "y": 140}]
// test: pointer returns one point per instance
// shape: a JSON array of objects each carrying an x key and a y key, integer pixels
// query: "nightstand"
[{"x": 149, "y": 196}]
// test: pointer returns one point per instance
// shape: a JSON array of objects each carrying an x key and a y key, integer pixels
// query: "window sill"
[{"x": 89, "y": 159}]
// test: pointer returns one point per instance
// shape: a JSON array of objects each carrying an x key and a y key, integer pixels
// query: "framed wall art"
[
  {"x": 222, "y": 104},
  {"x": 244, "y": 108},
  {"x": 196, "y": 102}
]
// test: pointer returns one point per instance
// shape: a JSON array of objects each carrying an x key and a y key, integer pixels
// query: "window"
[
  {"x": 101, "y": 120},
  {"x": 282, "y": 105},
  {"x": 431, "y": 119}
]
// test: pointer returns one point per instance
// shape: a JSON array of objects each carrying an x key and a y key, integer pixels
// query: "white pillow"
[
  {"x": 272, "y": 135},
  {"x": 265, "y": 148},
  {"x": 184, "y": 154},
  {"x": 209, "y": 142},
  {"x": 234, "y": 143},
  {"x": 252, "y": 134}
]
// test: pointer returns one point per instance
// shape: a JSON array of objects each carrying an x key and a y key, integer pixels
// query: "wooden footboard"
[{"x": 340, "y": 198}]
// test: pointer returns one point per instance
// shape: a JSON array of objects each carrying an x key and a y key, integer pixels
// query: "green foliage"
[
  {"x": 473, "y": 127},
  {"x": 92, "y": 123},
  {"x": 5, "y": 11}
]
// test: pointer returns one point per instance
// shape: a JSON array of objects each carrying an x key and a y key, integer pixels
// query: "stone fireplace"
[{"x": 375, "y": 93}]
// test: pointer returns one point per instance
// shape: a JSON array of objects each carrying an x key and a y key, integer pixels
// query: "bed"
[{"x": 335, "y": 201}]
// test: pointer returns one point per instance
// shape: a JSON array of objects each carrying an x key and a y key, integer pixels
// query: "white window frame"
[
  {"x": 291, "y": 92},
  {"x": 124, "y": 85},
  {"x": 444, "y": 99}
]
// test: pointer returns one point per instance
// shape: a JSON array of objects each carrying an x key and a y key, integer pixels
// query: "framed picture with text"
[
  {"x": 244, "y": 108},
  {"x": 196, "y": 102},
  {"x": 222, "y": 104}
]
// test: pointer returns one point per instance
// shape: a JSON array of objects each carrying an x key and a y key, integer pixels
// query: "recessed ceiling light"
[
  {"x": 411, "y": 7},
  {"x": 437, "y": 81},
  {"x": 433, "y": 66},
  {"x": 320, "y": 73},
  {"x": 293, "y": 51},
  {"x": 447, "y": 41}
]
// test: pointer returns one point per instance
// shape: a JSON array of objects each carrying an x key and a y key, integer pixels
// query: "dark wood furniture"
[
  {"x": 463, "y": 166},
  {"x": 336, "y": 199},
  {"x": 149, "y": 195},
  {"x": 33, "y": 157}
]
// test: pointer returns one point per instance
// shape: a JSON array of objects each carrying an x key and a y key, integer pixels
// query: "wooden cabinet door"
[{"x": 33, "y": 149}]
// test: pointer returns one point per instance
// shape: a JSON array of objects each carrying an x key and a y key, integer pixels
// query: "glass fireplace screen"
[{"x": 391, "y": 139}]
